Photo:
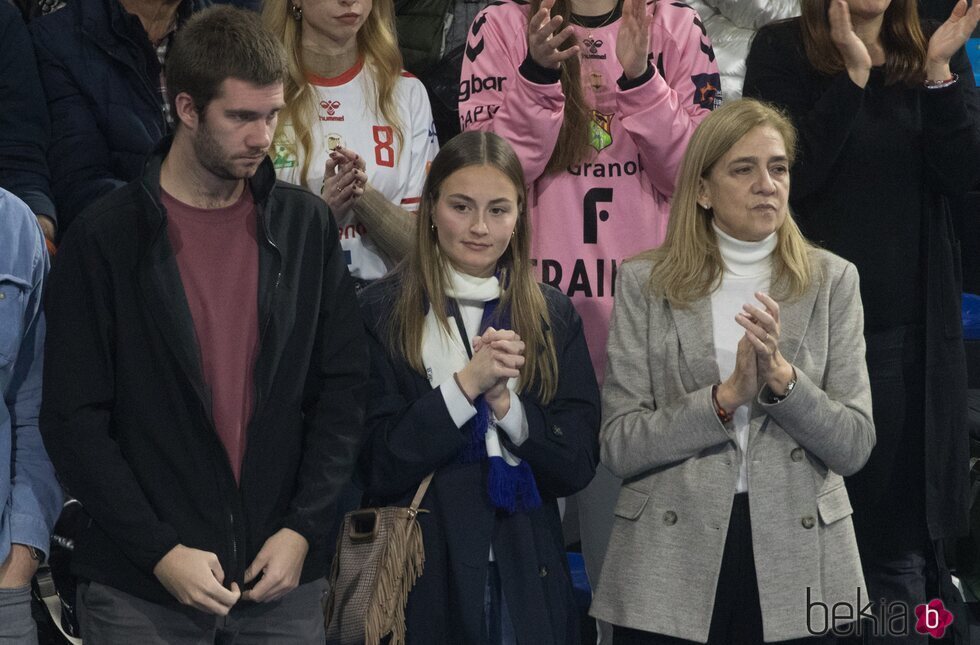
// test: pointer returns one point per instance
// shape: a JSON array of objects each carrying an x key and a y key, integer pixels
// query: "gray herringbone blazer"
[{"x": 679, "y": 463}]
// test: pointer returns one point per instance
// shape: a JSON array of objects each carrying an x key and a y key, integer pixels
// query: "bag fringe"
[{"x": 402, "y": 564}]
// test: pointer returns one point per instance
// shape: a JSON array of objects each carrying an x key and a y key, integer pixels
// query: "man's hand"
[
  {"x": 195, "y": 578},
  {"x": 280, "y": 561},
  {"x": 18, "y": 569}
]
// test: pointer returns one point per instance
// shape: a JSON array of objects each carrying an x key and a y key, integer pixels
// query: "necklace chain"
[{"x": 609, "y": 16}]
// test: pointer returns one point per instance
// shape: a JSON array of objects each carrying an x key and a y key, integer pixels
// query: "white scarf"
[{"x": 443, "y": 355}]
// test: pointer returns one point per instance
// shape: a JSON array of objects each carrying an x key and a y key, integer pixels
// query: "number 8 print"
[{"x": 384, "y": 154}]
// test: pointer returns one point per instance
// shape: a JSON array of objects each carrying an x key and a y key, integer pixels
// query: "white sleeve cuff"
[
  {"x": 514, "y": 422},
  {"x": 456, "y": 402}
]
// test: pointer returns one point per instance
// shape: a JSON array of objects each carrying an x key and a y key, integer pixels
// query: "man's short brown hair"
[{"x": 218, "y": 43}]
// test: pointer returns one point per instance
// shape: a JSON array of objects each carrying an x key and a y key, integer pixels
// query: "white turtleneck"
[{"x": 748, "y": 268}]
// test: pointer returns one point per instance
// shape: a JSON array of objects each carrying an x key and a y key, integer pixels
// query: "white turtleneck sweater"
[{"x": 748, "y": 268}]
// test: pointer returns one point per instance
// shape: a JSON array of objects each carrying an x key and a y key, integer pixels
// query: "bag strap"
[{"x": 424, "y": 486}]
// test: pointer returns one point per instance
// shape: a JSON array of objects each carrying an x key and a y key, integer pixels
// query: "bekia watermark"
[{"x": 884, "y": 618}]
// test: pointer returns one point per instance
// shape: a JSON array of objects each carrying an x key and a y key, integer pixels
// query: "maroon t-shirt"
[{"x": 218, "y": 258}]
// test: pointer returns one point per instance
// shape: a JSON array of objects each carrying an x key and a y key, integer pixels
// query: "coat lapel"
[{"x": 696, "y": 334}]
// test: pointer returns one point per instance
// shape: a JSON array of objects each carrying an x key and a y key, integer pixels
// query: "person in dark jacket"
[
  {"x": 101, "y": 65},
  {"x": 889, "y": 122},
  {"x": 206, "y": 369},
  {"x": 507, "y": 424},
  {"x": 24, "y": 127}
]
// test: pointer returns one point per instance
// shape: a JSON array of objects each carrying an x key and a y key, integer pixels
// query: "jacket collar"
[
  {"x": 159, "y": 277},
  {"x": 261, "y": 184}
]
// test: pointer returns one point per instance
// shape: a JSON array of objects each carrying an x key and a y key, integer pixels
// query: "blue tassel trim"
[
  {"x": 476, "y": 448},
  {"x": 512, "y": 488}
]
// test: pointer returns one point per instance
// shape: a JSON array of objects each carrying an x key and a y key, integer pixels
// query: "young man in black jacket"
[{"x": 206, "y": 368}]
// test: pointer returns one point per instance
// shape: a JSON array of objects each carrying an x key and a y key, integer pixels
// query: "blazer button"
[
  {"x": 555, "y": 430},
  {"x": 808, "y": 522},
  {"x": 796, "y": 454},
  {"x": 543, "y": 571},
  {"x": 670, "y": 518}
]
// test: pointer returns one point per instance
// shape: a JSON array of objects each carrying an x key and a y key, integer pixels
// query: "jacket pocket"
[
  {"x": 834, "y": 505},
  {"x": 631, "y": 503},
  {"x": 13, "y": 292}
]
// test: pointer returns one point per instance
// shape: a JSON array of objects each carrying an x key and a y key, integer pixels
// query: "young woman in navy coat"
[{"x": 482, "y": 376}]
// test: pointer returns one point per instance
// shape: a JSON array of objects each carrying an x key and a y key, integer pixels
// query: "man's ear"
[{"x": 186, "y": 110}]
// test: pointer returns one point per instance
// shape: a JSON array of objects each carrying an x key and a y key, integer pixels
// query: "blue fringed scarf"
[{"x": 510, "y": 481}]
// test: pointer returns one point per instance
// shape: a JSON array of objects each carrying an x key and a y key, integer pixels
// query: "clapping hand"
[
  {"x": 743, "y": 383},
  {"x": 857, "y": 59},
  {"x": 343, "y": 180},
  {"x": 762, "y": 330},
  {"x": 544, "y": 40},
  {"x": 947, "y": 40},
  {"x": 633, "y": 41}
]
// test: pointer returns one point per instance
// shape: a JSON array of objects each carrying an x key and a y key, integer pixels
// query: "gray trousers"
[
  {"x": 16, "y": 623},
  {"x": 107, "y": 615}
]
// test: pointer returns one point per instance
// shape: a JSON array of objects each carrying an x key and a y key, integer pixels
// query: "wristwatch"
[{"x": 776, "y": 398}]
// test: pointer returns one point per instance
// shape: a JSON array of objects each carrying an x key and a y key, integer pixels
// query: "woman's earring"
[
  {"x": 706, "y": 207},
  {"x": 296, "y": 11}
]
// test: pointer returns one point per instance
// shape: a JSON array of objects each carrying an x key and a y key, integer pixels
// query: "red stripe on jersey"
[
  {"x": 411, "y": 200},
  {"x": 345, "y": 77}
]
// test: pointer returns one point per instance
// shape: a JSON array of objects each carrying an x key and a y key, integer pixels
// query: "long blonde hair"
[
  {"x": 423, "y": 274},
  {"x": 688, "y": 266},
  {"x": 376, "y": 42}
]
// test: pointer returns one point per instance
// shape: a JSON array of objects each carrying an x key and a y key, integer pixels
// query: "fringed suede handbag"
[{"x": 379, "y": 557}]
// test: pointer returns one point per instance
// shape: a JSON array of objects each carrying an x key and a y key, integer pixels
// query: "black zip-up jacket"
[{"x": 126, "y": 413}]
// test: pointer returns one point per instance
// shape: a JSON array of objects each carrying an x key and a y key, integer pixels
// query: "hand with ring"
[
  {"x": 344, "y": 179},
  {"x": 762, "y": 330}
]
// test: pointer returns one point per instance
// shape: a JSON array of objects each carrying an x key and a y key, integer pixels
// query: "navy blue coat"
[
  {"x": 23, "y": 116},
  {"x": 412, "y": 434},
  {"x": 100, "y": 75}
]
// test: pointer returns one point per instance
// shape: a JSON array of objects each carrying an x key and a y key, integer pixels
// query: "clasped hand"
[
  {"x": 498, "y": 355},
  {"x": 757, "y": 359},
  {"x": 344, "y": 179}
]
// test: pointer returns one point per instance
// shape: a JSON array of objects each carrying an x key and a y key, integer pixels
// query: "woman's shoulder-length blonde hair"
[
  {"x": 901, "y": 36},
  {"x": 376, "y": 42},
  {"x": 423, "y": 273},
  {"x": 688, "y": 266}
]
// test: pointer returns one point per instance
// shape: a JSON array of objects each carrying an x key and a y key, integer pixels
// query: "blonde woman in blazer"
[{"x": 691, "y": 559}]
